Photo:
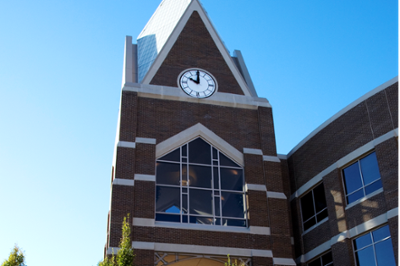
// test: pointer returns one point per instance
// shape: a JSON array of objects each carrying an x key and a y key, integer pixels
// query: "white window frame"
[
  {"x": 358, "y": 161},
  {"x": 212, "y": 189},
  {"x": 372, "y": 244},
  {"x": 320, "y": 258},
  {"x": 315, "y": 211}
]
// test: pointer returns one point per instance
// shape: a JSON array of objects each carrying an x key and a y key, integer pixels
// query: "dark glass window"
[
  {"x": 362, "y": 178},
  {"x": 323, "y": 260},
  {"x": 197, "y": 184},
  {"x": 374, "y": 248},
  {"x": 313, "y": 207}
]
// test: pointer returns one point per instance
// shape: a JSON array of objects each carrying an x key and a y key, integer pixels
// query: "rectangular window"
[
  {"x": 324, "y": 260},
  {"x": 374, "y": 248},
  {"x": 362, "y": 178},
  {"x": 313, "y": 207}
]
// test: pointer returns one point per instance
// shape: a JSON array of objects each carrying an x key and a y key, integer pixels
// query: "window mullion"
[
  {"x": 361, "y": 176},
  {"x": 315, "y": 209},
  {"x": 373, "y": 246}
]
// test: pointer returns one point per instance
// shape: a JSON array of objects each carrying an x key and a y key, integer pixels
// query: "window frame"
[
  {"x": 215, "y": 192},
  {"x": 320, "y": 258},
  {"x": 315, "y": 212},
  {"x": 372, "y": 244},
  {"x": 358, "y": 161}
]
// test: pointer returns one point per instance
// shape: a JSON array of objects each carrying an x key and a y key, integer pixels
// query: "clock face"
[{"x": 197, "y": 83}]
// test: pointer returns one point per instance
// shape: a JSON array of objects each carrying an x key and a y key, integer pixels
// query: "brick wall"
[
  {"x": 196, "y": 48},
  {"x": 365, "y": 122}
]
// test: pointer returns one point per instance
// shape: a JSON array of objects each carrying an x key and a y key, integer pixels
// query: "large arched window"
[{"x": 198, "y": 184}]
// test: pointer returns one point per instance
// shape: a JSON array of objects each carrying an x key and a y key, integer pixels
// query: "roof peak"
[{"x": 157, "y": 31}]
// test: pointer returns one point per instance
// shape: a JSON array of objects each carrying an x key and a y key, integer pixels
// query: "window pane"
[
  {"x": 233, "y": 222},
  {"x": 231, "y": 179},
  {"x": 168, "y": 174},
  {"x": 322, "y": 215},
  {"x": 217, "y": 206},
  {"x": 369, "y": 168},
  {"x": 215, "y": 153},
  {"x": 184, "y": 150},
  {"x": 307, "y": 206},
  {"x": 184, "y": 204},
  {"x": 168, "y": 218},
  {"x": 327, "y": 258},
  {"x": 309, "y": 223},
  {"x": 199, "y": 152},
  {"x": 232, "y": 205},
  {"x": 172, "y": 156},
  {"x": 184, "y": 219},
  {"x": 316, "y": 262},
  {"x": 384, "y": 253},
  {"x": 225, "y": 161},
  {"x": 365, "y": 257},
  {"x": 201, "y": 220},
  {"x": 200, "y": 202},
  {"x": 362, "y": 241},
  {"x": 200, "y": 176},
  {"x": 168, "y": 199},
  {"x": 374, "y": 186},
  {"x": 319, "y": 197},
  {"x": 216, "y": 178},
  {"x": 381, "y": 233},
  {"x": 355, "y": 196},
  {"x": 184, "y": 175},
  {"x": 352, "y": 178}
]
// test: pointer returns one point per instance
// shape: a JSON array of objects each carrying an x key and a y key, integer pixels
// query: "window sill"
[
  {"x": 315, "y": 226},
  {"x": 203, "y": 227},
  {"x": 370, "y": 195}
]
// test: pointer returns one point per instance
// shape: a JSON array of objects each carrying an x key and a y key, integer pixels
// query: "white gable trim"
[
  {"x": 193, "y": 132},
  {"x": 196, "y": 6}
]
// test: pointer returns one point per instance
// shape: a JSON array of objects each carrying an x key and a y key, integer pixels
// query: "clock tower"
[{"x": 195, "y": 162}]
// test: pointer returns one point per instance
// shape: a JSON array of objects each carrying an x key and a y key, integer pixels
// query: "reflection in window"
[
  {"x": 374, "y": 248},
  {"x": 362, "y": 178},
  {"x": 198, "y": 184},
  {"x": 324, "y": 260},
  {"x": 313, "y": 207}
]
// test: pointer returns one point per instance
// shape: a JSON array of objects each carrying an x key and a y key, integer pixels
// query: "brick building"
[{"x": 195, "y": 162}]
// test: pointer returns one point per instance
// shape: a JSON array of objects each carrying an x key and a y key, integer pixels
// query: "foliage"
[
  {"x": 234, "y": 263},
  {"x": 16, "y": 258},
  {"x": 125, "y": 255},
  {"x": 108, "y": 261}
]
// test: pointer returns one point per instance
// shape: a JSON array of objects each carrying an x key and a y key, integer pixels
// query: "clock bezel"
[{"x": 195, "y": 69}]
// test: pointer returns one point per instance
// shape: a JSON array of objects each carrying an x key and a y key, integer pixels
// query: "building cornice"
[
  {"x": 176, "y": 94},
  {"x": 343, "y": 111}
]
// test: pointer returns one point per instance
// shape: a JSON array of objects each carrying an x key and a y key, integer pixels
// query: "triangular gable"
[
  {"x": 193, "y": 132},
  {"x": 196, "y": 8}
]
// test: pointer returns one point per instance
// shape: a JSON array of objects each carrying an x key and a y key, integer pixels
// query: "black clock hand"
[
  {"x": 195, "y": 81},
  {"x": 198, "y": 77}
]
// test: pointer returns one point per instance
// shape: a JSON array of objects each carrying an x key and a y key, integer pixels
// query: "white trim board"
[
  {"x": 256, "y": 230},
  {"x": 204, "y": 250},
  {"x": 343, "y": 161},
  {"x": 176, "y": 94},
  {"x": 195, "y": 6},
  {"x": 352, "y": 233},
  {"x": 199, "y": 130},
  {"x": 343, "y": 111},
  {"x": 123, "y": 182}
]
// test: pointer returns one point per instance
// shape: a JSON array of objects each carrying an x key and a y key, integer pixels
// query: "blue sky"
[{"x": 60, "y": 78}]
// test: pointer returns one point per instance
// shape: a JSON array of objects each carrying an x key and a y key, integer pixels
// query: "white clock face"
[{"x": 197, "y": 83}]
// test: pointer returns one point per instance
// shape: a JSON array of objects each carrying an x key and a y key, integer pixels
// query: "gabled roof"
[
  {"x": 162, "y": 31},
  {"x": 157, "y": 31}
]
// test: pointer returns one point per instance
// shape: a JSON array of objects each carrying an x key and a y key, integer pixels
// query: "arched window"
[{"x": 197, "y": 184}]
